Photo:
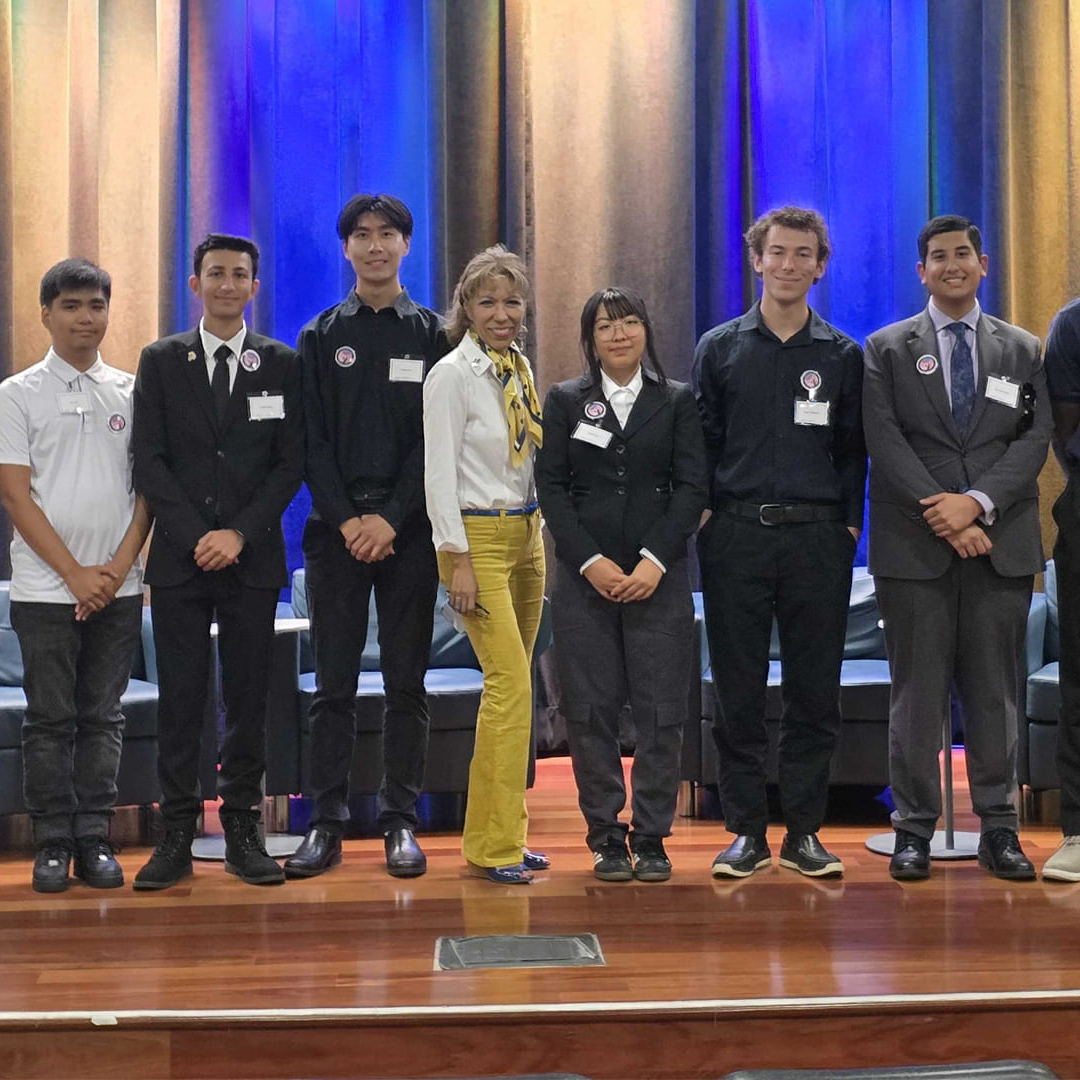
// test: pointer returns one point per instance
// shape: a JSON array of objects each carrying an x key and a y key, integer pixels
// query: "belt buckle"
[{"x": 762, "y": 520}]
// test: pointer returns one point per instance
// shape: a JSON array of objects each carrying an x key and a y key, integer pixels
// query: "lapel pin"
[
  {"x": 926, "y": 364},
  {"x": 191, "y": 355},
  {"x": 596, "y": 410},
  {"x": 249, "y": 360}
]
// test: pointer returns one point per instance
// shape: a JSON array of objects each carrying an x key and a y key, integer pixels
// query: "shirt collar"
[
  {"x": 610, "y": 386},
  {"x": 402, "y": 305},
  {"x": 942, "y": 321},
  {"x": 818, "y": 328},
  {"x": 63, "y": 370},
  {"x": 211, "y": 342}
]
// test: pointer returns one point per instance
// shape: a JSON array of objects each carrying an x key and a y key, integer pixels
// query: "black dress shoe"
[
  {"x": 245, "y": 852},
  {"x": 318, "y": 851},
  {"x": 999, "y": 852},
  {"x": 911, "y": 857},
  {"x": 804, "y": 852},
  {"x": 403, "y": 855}
]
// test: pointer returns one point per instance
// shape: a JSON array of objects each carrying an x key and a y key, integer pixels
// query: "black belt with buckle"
[{"x": 784, "y": 513}]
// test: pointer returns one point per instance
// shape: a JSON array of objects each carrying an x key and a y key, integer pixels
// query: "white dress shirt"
[
  {"x": 211, "y": 343},
  {"x": 946, "y": 341},
  {"x": 467, "y": 446}
]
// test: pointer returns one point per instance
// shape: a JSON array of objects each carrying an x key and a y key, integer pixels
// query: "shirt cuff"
[
  {"x": 645, "y": 553},
  {"x": 588, "y": 562},
  {"x": 989, "y": 514}
]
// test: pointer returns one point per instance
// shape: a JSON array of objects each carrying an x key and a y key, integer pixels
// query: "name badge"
[
  {"x": 1003, "y": 390},
  {"x": 811, "y": 413},
  {"x": 591, "y": 434},
  {"x": 266, "y": 406},
  {"x": 406, "y": 369},
  {"x": 75, "y": 403}
]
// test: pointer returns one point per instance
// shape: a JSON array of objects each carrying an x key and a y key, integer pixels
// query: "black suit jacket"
[
  {"x": 197, "y": 476},
  {"x": 646, "y": 488}
]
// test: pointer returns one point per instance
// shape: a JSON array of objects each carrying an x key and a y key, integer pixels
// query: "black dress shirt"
[
  {"x": 365, "y": 431},
  {"x": 747, "y": 380}
]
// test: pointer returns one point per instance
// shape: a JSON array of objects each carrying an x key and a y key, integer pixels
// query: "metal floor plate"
[{"x": 517, "y": 950}]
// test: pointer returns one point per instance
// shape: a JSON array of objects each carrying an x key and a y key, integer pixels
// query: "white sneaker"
[{"x": 1064, "y": 864}]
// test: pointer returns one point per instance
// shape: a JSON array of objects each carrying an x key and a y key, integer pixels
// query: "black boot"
[
  {"x": 245, "y": 853},
  {"x": 171, "y": 860}
]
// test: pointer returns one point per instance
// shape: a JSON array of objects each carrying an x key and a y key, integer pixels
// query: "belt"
[
  {"x": 784, "y": 513},
  {"x": 519, "y": 511}
]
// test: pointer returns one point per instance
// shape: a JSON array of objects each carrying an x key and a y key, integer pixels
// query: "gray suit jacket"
[{"x": 915, "y": 449}]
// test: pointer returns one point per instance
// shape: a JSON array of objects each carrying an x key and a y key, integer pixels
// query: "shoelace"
[
  {"x": 174, "y": 842},
  {"x": 101, "y": 848}
]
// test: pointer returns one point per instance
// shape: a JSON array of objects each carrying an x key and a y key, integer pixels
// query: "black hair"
[
  {"x": 225, "y": 242},
  {"x": 74, "y": 275},
  {"x": 618, "y": 302},
  {"x": 393, "y": 211},
  {"x": 944, "y": 223}
]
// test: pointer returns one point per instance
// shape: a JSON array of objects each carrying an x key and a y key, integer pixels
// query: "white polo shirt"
[{"x": 73, "y": 430}]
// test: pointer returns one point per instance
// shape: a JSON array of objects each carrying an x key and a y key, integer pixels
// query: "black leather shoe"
[
  {"x": 803, "y": 852},
  {"x": 318, "y": 851},
  {"x": 245, "y": 853},
  {"x": 611, "y": 861},
  {"x": 910, "y": 858},
  {"x": 95, "y": 863},
  {"x": 51, "y": 866},
  {"x": 649, "y": 859},
  {"x": 403, "y": 855},
  {"x": 742, "y": 857},
  {"x": 999, "y": 852},
  {"x": 171, "y": 861}
]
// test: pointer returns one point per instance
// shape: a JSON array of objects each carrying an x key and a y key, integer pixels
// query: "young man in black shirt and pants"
[
  {"x": 364, "y": 363},
  {"x": 779, "y": 392}
]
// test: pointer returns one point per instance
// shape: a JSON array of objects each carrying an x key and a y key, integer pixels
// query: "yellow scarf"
[{"x": 522, "y": 416}]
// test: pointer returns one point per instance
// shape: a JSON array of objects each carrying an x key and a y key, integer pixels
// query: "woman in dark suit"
[{"x": 622, "y": 483}]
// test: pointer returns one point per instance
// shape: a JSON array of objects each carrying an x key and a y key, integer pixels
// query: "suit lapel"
[
  {"x": 649, "y": 402},
  {"x": 991, "y": 362},
  {"x": 923, "y": 342},
  {"x": 590, "y": 393},
  {"x": 194, "y": 366},
  {"x": 244, "y": 384}
]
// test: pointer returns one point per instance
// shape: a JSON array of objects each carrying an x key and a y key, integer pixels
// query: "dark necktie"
[
  {"x": 962, "y": 379},
  {"x": 219, "y": 384}
]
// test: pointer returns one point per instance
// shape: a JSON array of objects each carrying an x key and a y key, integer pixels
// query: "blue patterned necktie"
[{"x": 962, "y": 379}]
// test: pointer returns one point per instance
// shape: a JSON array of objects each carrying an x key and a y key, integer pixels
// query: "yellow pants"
[{"x": 508, "y": 558}]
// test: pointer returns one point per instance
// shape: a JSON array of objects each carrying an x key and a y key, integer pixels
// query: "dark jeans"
[
  {"x": 1067, "y": 567},
  {"x": 609, "y": 653},
  {"x": 182, "y": 617},
  {"x": 802, "y": 575},
  {"x": 74, "y": 674},
  {"x": 338, "y": 592}
]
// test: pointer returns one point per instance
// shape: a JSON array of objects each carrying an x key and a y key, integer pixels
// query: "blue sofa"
[{"x": 1036, "y": 760}]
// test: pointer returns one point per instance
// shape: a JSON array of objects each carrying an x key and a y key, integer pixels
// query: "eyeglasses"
[{"x": 631, "y": 326}]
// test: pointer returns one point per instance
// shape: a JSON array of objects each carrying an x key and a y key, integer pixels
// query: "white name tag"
[
  {"x": 595, "y": 436},
  {"x": 266, "y": 407},
  {"x": 811, "y": 413},
  {"x": 1002, "y": 390},
  {"x": 406, "y": 369},
  {"x": 76, "y": 402}
]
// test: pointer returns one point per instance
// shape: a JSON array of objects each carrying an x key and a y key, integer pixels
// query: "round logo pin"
[
  {"x": 249, "y": 360},
  {"x": 345, "y": 357},
  {"x": 117, "y": 422},
  {"x": 596, "y": 410},
  {"x": 810, "y": 380},
  {"x": 926, "y": 364}
]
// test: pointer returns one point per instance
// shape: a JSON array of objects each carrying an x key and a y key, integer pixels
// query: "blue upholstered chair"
[{"x": 1036, "y": 759}]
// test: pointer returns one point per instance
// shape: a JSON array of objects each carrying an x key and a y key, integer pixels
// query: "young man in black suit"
[{"x": 218, "y": 447}]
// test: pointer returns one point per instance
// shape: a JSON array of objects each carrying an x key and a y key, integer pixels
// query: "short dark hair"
[
  {"x": 618, "y": 302},
  {"x": 224, "y": 242},
  {"x": 74, "y": 275},
  {"x": 944, "y": 223},
  {"x": 788, "y": 217},
  {"x": 394, "y": 211}
]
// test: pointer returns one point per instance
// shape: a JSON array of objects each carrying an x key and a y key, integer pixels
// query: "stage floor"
[{"x": 355, "y": 947}]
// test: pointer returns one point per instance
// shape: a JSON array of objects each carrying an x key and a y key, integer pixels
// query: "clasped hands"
[
  {"x": 607, "y": 578},
  {"x": 94, "y": 587},
  {"x": 952, "y": 517},
  {"x": 369, "y": 537}
]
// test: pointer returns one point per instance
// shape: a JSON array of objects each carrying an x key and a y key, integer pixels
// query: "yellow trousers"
[{"x": 508, "y": 558}]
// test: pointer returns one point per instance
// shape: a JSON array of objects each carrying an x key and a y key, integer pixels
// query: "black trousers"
[
  {"x": 182, "y": 615},
  {"x": 338, "y": 591},
  {"x": 609, "y": 653},
  {"x": 801, "y": 574},
  {"x": 1067, "y": 567}
]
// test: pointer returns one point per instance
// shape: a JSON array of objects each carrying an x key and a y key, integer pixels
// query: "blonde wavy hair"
[{"x": 492, "y": 262}]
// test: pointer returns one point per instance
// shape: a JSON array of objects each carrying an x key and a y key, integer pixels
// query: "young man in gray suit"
[{"x": 957, "y": 425}]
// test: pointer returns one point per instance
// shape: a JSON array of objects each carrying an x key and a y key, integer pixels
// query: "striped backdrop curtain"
[{"x": 606, "y": 140}]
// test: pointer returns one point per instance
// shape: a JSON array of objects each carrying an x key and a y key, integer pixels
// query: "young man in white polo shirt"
[{"x": 76, "y": 585}]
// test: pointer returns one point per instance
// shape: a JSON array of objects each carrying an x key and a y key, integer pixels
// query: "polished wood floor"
[{"x": 355, "y": 939}]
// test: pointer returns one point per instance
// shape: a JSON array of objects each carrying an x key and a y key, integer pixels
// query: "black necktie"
[{"x": 219, "y": 384}]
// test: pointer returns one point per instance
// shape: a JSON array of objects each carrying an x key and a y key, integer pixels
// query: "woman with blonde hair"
[{"x": 481, "y": 430}]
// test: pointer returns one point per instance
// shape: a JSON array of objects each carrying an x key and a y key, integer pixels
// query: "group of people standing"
[{"x": 429, "y": 458}]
